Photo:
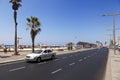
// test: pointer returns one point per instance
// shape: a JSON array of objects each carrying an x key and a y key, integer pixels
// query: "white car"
[{"x": 39, "y": 55}]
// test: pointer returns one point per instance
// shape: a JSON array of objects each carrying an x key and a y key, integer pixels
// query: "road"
[{"x": 86, "y": 65}]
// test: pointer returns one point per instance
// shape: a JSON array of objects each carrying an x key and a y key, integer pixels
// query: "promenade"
[{"x": 113, "y": 66}]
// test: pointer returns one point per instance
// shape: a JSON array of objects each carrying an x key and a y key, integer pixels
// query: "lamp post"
[
  {"x": 114, "y": 36},
  {"x": 109, "y": 39},
  {"x": 18, "y": 38}
]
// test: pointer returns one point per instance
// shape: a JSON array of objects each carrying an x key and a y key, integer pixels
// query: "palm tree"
[
  {"x": 70, "y": 45},
  {"x": 34, "y": 24},
  {"x": 15, "y": 5}
]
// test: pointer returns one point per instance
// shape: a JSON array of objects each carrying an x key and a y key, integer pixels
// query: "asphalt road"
[{"x": 86, "y": 65}]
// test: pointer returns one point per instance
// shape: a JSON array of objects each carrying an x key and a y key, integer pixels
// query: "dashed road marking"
[
  {"x": 80, "y": 60},
  {"x": 85, "y": 57},
  {"x": 71, "y": 64},
  {"x": 56, "y": 71},
  {"x": 17, "y": 69}
]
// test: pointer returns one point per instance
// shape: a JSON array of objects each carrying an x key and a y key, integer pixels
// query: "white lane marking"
[
  {"x": 80, "y": 60},
  {"x": 85, "y": 57},
  {"x": 42, "y": 63},
  {"x": 56, "y": 71},
  {"x": 56, "y": 59},
  {"x": 17, "y": 69},
  {"x": 71, "y": 64}
]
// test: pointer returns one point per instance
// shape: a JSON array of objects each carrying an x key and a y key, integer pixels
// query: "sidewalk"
[
  {"x": 113, "y": 66},
  {"x": 9, "y": 57}
]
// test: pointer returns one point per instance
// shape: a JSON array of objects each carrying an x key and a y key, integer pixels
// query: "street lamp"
[
  {"x": 18, "y": 38},
  {"x": 110, "y": 35},
  {"x": 113, "y": 15}
]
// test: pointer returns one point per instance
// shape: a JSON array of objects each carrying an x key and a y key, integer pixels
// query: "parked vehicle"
[
  {"x": 39, "y": 55},
  {"x": 118, "y": 47}
]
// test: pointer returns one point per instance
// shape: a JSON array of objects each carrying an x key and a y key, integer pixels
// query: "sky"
[{"x": 62, "y": 21}]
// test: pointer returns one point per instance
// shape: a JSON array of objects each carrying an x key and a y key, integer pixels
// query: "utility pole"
[
  {"x": 109, "y": 40},
  {"x": 113, "y": 29}
]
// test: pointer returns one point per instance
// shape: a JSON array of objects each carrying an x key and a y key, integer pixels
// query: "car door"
[
  {"x": 49, "y": 54},
  {"x": 44, "y": 54}
]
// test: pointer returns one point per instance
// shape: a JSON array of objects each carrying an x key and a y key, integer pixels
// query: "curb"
[{"x": 108, "y": 72}]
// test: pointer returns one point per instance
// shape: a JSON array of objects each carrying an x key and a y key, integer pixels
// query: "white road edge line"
[
  {"x": 71, "y": 64},
  {"x": 17, "y": 69},
  {"x": 11, "y": 63},
  {"x": 56, "y": 71}
]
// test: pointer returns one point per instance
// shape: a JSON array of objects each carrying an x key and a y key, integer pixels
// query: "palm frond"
[
  {"x": 17, "y": 1},
  {"x": 28, "y": 19},
  {"x": 37, "y": 31},
  {"x": 34, "y": 24},
  {"x": 19, "y": 5}
]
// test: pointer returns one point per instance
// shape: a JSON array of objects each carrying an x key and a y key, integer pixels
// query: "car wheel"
[
  {"x": 39, "y": 59},
  {"x": 52, "y": 57},
  {"x": 27, "y": 61}
]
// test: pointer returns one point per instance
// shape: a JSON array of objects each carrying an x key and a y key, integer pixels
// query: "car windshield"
[{"x": 37, "y": 51}]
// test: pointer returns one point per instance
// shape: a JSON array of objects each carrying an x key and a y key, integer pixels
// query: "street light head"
[
  {"x": 103, "y": 15},
  {"x": 111, "y": 14}
]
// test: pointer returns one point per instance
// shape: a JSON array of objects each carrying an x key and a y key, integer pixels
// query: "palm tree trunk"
[
  {"x": 15, "y": 43},
  {"x": 33, "y": 38},
  {"x": 33, "y": 44}
]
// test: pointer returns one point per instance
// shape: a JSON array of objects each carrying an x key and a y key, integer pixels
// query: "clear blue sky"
[{"x": 62, "y": 20}]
